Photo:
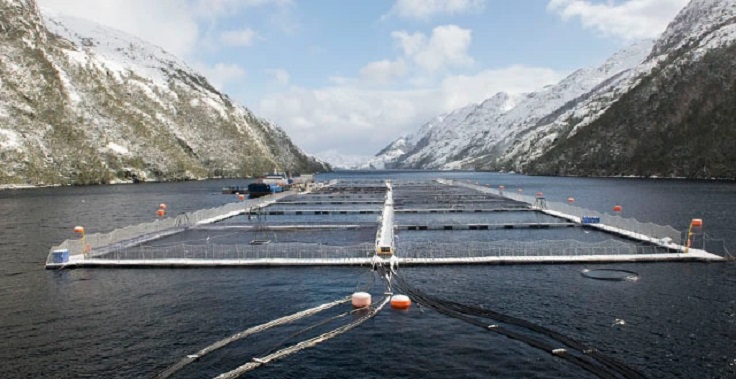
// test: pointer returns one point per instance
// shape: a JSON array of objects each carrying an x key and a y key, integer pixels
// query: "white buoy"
[{"x": 361, "y": 300}]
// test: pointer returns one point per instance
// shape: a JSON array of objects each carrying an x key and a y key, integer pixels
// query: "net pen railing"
[
  {"x": 661, "y": 232},
  {"x": 94, "y": 243},
  {"x": 508, "y": 248},
  {"x": 215, "y": 252}
]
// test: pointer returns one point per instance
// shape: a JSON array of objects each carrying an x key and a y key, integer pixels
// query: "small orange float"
[{"x": 400, "y": 302}]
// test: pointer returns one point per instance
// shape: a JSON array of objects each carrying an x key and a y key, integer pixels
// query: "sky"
[{"x": 354, "y": 75}]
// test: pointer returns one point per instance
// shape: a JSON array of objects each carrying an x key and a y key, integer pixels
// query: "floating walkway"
[
  {"x": 521, "y": 225},
  {"x": 307, "y": 212},
  {"x": 229, "y": 236}
]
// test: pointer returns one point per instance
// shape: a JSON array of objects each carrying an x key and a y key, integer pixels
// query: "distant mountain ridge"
[
  {"x": 82, "y": 103},
  {"x": 603, "y": 121}
]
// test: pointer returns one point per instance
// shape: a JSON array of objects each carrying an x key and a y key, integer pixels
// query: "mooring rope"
[
  {"x": 259, "y": 328},
  {"x": 610, "y": 369},
  {"x": 257, "y": 362}
]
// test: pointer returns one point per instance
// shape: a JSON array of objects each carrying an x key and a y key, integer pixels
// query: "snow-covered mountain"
[
  {"x": 343, "y": 161},
  {"x": 480, "y": 133},
  {"x": 678, "y": 120},
  {"x": 83, "y": 103},
  {"x": 517, "y": 133}
]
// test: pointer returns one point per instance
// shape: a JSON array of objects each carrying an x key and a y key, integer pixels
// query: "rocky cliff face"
[
  {"x": 657, "y": 108},
  {"x": 81, "y": 103}
]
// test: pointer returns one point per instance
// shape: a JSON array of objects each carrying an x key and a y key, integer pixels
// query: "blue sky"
[{"x": 353, "y": 75}]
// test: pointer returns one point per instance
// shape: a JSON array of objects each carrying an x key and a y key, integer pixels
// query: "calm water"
[{"x": 109, "y": 323}]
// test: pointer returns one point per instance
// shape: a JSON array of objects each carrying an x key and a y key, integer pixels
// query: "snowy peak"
[{"x": 694, "y": 22}]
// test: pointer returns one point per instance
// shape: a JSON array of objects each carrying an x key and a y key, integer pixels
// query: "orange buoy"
[
  {"x": 400, "y": 302},
  {"x": 162, "y": 206},
  {"x": 617, "y": 208},
  {"x": 696, "y": 223},
  {"x": 79, "y": 229},
  {"x": 241, "y": 197},
  {"x": 361, "y": 300},
  {"x": 161, "y": 212},
  {"x": 570, "y": 200}
]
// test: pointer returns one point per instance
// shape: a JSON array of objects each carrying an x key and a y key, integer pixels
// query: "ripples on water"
[{"x": 680, "y": 318}]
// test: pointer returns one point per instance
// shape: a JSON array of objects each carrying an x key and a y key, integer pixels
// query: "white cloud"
[
  {"x": 446, "y": 47},
  {"x": 426, "y": 9},
  {"x": 629, "y": 20},
  {"x": 360, "y": 120},
  {"x": 216, "y": 8},
  {"x": 383, "y": 72},
  {"x": 280, "y": 76},
  {"x": 242, "y": 37}
]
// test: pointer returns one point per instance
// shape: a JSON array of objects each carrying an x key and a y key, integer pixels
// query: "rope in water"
[
  {"x": 587, "y": 358},
  {"x": 257, "y": 362},
  {"x": 259, "y": 328}
]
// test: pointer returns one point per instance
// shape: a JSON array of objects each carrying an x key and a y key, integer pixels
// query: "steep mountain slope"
[
  {"x": 680, "y": 120},
  {"x": 81, "y": 103},
  {"x": 406, "y": 146},
  {"x": 481, "y": 137}
]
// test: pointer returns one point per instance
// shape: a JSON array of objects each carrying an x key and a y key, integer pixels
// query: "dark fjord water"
[{"x": 127, "y": 323}]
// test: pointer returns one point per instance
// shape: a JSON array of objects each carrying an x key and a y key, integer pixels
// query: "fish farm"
[{"x": 375, "y": 222}]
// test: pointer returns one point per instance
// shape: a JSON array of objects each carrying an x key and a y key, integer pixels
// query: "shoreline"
[{"x": 12, "y": 187}]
